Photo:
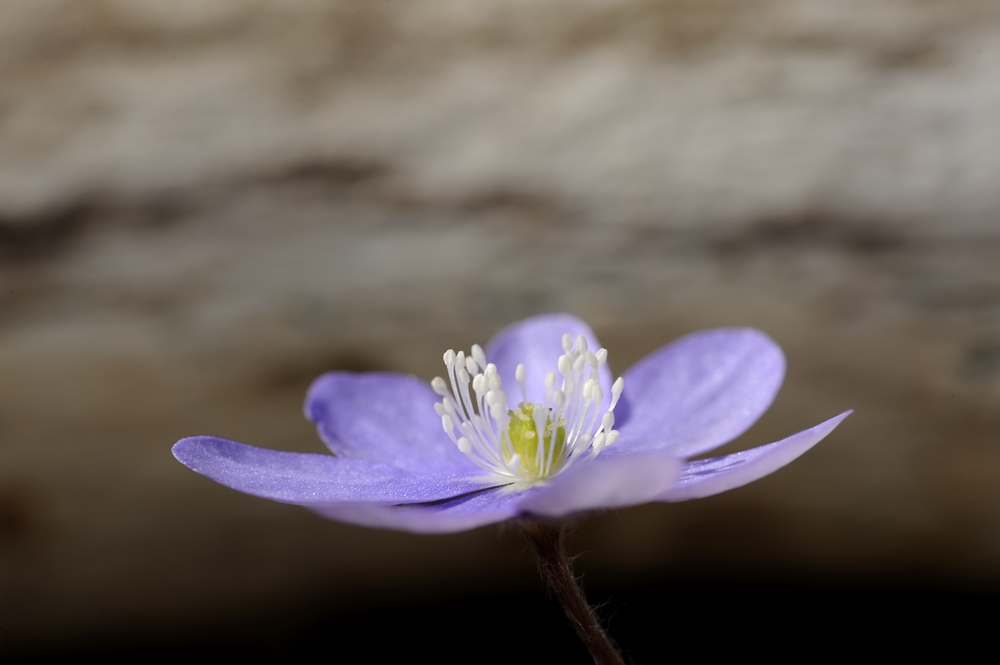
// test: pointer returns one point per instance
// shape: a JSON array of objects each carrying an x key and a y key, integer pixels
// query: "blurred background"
[{"x": 206, "y": 204}]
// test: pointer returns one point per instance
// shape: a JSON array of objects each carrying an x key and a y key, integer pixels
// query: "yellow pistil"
[{"x": 522, "y": 431}]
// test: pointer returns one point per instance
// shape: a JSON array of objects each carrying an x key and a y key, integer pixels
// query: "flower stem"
[{"x": 547, "y": 541}]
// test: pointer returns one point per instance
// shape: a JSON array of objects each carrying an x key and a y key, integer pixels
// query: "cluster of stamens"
[{"x": 533, "y": 441}]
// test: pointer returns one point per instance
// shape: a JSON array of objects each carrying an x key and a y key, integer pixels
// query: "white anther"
[
  {"x": 599, "y": 440},
  {"x": 616, "y": 391},
  {"x": 463, "y": 377},
  {"x": 558, "y": 398},
  {"x": 581, "y": 343},
  {"x": 591, "y": 359},
  {"x": 449, "y": 407},
  {"x": 495, "y": 382},
  {"x": 478, "y": 355},
  {"x": 602, "y": 357},
  {"x": 608, "y": 421},
  {"x": 612, "y": 437},
  {"x": 579, "y": 363},
  {"x": 592, "y": 391},
  {"x": 439, "y": 408},
  {"x": 597, "y": 447},
  {"x": 448, "y": 424},
  {"x": 521, "y": 374},
  {"x": 464, "y": 445},
  {"x": 550, "y": 381},
  {"x": 567, "y": 342},
  {"x": 449, "y": 358},
  {"x": 460, "y": 359},
  {"x": 479, "y": 384},
  {"x": 565, "y": 365},
  {"x": 498, "y": 411},
  {"x": 471, "y": 367},
  {"x": 439, "y": 386}
]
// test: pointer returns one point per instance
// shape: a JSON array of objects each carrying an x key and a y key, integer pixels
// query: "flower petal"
[
  {"x": 699, "y": 392},
  {"x": 308, "y": 479},
  {"x": 537, "y": 343},
  {"x": 703, "y": 478},
  {"x": 605, "y": 483},
  {"x": 384, "y": 417},
  {"x": 467, "y": 512}
]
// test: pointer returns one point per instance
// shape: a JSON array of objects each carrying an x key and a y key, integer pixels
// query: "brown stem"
[{"x": 547, "y": 541}]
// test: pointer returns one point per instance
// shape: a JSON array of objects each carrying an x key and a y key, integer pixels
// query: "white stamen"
[
  {"x": 616, "y": 391},
  {"x": 497, "y": 410},
  {"x": 558, "y": 398},
  {"x": 439, "y": 386},
  {"x": 599, "y": 441},
  {"x": 477, "y": 421},
  {"x": 478, "y": 355}
]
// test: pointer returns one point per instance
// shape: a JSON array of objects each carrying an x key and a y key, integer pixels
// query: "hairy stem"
[{"x": 547, "y": 541}]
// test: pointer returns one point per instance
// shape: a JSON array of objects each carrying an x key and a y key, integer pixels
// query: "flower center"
[
  {"x": 536, "y": 452},
  {"x": 534, "y": 441}
]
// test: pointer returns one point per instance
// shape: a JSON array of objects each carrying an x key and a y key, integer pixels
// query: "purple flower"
[{"x": 532, "y": 426}]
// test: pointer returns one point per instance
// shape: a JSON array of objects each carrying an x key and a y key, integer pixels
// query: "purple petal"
[
  {"x": 711, "y": 476},
  {"x": 605, "y": 483},
  {"x": 309, "y": 479},
  {"x": 383, "y": 417},
  {"x": 537, "y": 343},
  {"x": 468, "y": 512},
  {"x": 699, "y": 392}
]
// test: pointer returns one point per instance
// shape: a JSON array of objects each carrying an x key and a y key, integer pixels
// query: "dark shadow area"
[{"x": 652, "y": 624}]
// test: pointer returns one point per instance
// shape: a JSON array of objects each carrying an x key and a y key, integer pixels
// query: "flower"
[{"x": 531, "y": 427}]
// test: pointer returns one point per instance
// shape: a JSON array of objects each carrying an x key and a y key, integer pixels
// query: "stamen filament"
[{"x": 533, "y": 442}]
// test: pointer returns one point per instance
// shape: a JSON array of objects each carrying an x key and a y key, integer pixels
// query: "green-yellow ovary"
[{"x": 523, "y": 437}]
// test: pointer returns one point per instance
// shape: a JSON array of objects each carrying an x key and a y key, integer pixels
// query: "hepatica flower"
[{"x": 532, "y": 427}]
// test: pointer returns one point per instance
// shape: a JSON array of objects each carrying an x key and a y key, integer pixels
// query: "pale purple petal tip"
[
  {"x": 605, "y": 483},
  {"x": 703, "y": 478},
  {"x": 310, "y": 479},
  {"x": 699, "y": 392}
]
